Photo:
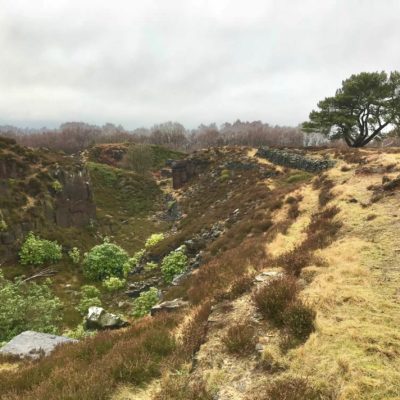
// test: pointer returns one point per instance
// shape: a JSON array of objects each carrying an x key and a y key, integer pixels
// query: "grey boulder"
[
  {"x": 168, "y": 306},
  {"x": 30, "y": 344},
  {"x": 98, "y": 318}
]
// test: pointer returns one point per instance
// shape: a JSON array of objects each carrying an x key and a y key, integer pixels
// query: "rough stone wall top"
[{"x": 293, "y": 160}]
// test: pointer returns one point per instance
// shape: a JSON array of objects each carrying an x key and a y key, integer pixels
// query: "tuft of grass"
[
  {"x": 295, "y": 260},
  {"x": 180, "y": 387},
  {"x": 299, "y": 320},
  {"x": 298, "y": 177},
  {"x": 240, "y": 339},
  {"x": 289, "y": 387},
  {"x": 273, "y": 298}
]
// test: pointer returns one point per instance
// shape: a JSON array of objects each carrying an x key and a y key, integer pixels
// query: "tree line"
[
  {"x": 72, "y": 137},
  {"x": 364, "y": 111}
]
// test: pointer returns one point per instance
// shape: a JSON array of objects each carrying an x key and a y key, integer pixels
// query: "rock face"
[
  {"x": 74, "y": 205},
  {"x": 98, "y": 318},
  {"x": 30, "y": 344},
  {"x": 184, "y": 170},
  {"x": 40, "y": 189},
  {"x": 169, "y": 306},
  {"x": 293, "y": 160}
]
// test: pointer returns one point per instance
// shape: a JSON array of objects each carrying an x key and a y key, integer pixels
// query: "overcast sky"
[{"x": 140, "y": 62}]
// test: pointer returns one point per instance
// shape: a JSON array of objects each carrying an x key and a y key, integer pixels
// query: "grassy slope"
[
  {"x": 124, "y": 201},
  {"x": 103, "y": 153},
  {"x": 355, "y": 351},
  {"x": 357, "y": 345}
]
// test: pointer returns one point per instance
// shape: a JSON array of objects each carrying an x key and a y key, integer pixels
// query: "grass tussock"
[
  {"x": 273, "y": 298},
  {"x": 289, "y": 387},
  {"x": 181, "y": 387},
  {"x": 240, "y": 339},
  {"x": 299, "y": 320}
]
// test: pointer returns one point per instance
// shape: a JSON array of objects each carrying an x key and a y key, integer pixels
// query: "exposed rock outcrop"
[
  {"x": 74, "y": 205},
  {"x": 169, "y": 306},
  {"x": 30, "y": 344},
  {"x": 184, "y": 170}
]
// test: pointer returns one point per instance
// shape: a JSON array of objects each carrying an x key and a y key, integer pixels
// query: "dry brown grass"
[{"x": 240, "y": 339}]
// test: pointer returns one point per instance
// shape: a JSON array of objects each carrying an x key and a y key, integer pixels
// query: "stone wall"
[{"x": 290, "y": 159}]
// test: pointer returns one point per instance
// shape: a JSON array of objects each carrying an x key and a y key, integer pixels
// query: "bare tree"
[{"x": 138, "y": 158}]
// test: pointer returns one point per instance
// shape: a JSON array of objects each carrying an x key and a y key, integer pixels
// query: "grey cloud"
[{"x": 139, "y": 63}]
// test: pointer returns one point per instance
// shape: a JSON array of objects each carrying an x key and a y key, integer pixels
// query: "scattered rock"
[
  {"x": 392, "y": 184},
  {"x": 179, "y": 278},
  {"x": 267, "y": 275},
  {"x": 136, "y": 288},
  {"x": 30, "y": 344},
  {"x": 98, "y": 318},
  {"x": 169, "y": 306}
]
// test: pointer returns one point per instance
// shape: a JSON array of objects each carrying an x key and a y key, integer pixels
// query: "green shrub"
[
  {"x": 78, "y": 333},
  {"x": 3, "y": 225},
  {"x": 89, "y": 298},
  {"x": 225, "y": 175},
  {"x": 298, "y": 177},
  {"x": 240, "y": 339},
  {"x": 272, "y": 298},
  {"x": 104, "y": 261},
  {"x": 38, "y": 251},
  {"x": 154, "y": 239},
  {"x": 27, "y": 306},
  {"x": 174, "y": 264},
  {"x": 112, "y": 284},
  {"x": 134, "y": 261},
  {"x": 143, "y": 304},
  {"x": 150, "y": 266},
  {"x": 56, "y": 186},
  {"x": 299, "y": 320},
  {"x": 75, "y": 255}
]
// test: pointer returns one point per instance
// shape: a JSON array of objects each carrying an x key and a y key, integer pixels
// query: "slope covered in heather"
[{"x": 291, "y": 288}]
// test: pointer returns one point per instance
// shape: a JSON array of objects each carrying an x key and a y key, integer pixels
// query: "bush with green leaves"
[
  {"x": 75, "y": 255},
  {"x": 78, "y": 333},
  {"x": 37, "y": 251},
  {"x": 104, "y": 261},
  {"x": 150, "y": 266},
  {"x": 174, "y": 264},
  {"x": 89, "y": 298},
  {"x": 113, "y": 284},
  {"x": 27, "y": 306},
  {"x": 56, "y": 186},
  {"x": 134, "y": 261},
  {"x": 3, "y": 225},
  {"x": 143, "y": 304},
  {"x": 153, "y": 240}
]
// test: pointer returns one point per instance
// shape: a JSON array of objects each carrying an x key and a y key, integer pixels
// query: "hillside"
[{"x": 290, "y": 290}]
